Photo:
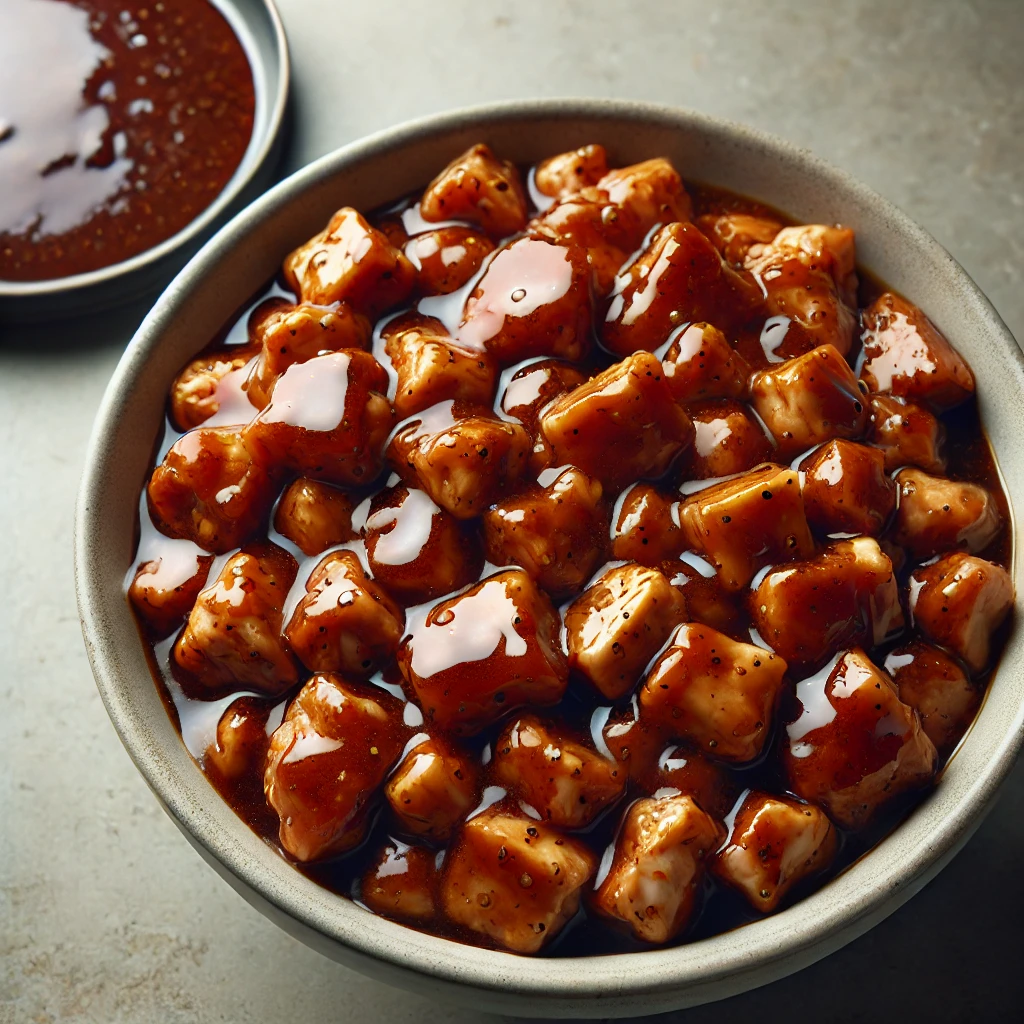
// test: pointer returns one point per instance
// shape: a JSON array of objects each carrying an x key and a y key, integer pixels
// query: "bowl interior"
[{"x": 247, "y": 253}]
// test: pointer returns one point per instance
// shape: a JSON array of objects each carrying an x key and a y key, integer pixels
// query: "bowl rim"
[
  {"x": 257, "y": 152},
  {"x": 717, "y": 966}
]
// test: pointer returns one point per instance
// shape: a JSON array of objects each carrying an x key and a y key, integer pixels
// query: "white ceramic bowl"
[{"x": 235, "y": 264}]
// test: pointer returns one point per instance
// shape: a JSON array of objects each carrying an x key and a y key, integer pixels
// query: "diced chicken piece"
[
  {"x": 392, "y": 226},
  {"x": 418, "y": 551},
  {"x": 831, "y": 247},
  {"x": 482, "y": 654},
  {"x": 846, "y": 595},
  {"x": 233, "y": 635},
  {"x": 649, "y": 193},
  {"x": 432, "y": 788},
  {"x": 532, "y": 300},
  {"x": 707, "y": 600},
  {"x": 937, "y": 515},
  {"x": 556, "y": 529},
  {"x": 566, "y": 173},
  {"x": 446, "y": 258},
  {"x": 735, "y": 528},
  {"x": 709, "y": 785},
  {"x": 241, "y": 741},
  {"x": 937, "y": 688},
  {"x": 809, "y": 400},
  {"x": 905, "y": 355},
  {"x": 620, "y": 426},
  {"x": 327, "y": 762},
  {"x": 514, "y": 880},
  {"x": 432, "y": 368},
  {"x": 776, "y": 842},
  {"x": 632, "y": 741},
  {"x": 196, "y": 394},
  {"x": 328, "y": 418},
  {"x": 959, "y": 602},
  {"x": 421, "y": 427},
  {"x": 345, "y": 622},
  {"x": 531, "y": 388},
  {"x": 728, "y": 440},
  {"x": 350, "y": 262},
  {"x": 658, "y": 869},
  {"x": 678, "y": 277},
  {"x": 846, "y": 489},
  {"x": 732, "y": 234},
  {"x": 478, "y": 187},
  {"x": 314, "y": 516},
  {"x": 855, "y": 746},
  {"x": 209, "y": 489},
  {"x": 293, "y": 334},
  {"x": 700, "y": 364},
  {"x": 907, "y": 434},
  {"x": 715, "y": 692},
  {"x": 646, "y": 527},
  {"x": 165, "y": 587},
  {"x": 615, "y": 627},
  {"x": 564, "y": 781},
  {"x": 401, "y": 883}
]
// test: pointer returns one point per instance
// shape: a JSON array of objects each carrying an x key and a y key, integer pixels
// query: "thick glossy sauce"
[{"x": 120, "y": 122}]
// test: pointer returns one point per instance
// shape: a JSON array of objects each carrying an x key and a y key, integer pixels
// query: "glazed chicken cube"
[
  {"x": 401, "y": 882},
  {"x": 707, "y": 600},
  {"x": 165, "y": 587},
  {"x": 433, "y": 787},
  {"x": 564, "y": 781},
  {"x": 566, "y": 173},
  {"x": 556, "y": 529},
  {"x": 715, "y": 692},
  {"x": 530, "y": 388},
  {"x": 633, "y": 742},
  {"x": 959, "y": 602},
  {"x": 700, "y": 364},
  {"x": 233, "y": 636},
  {"x": 648, "y": 193},
  {"x": 432, "y": 368},
  {"x": 209, "y": 489},
  {"x": 197, "y": 392},
  {"x": 616, "y": 626},
  {"x": 418, "y": 551},
  {"x": 485, "y": 652},
  {"x": 776, "y": 842},
  {"x": 846, "y": 489},
  {"x": 327, "y": 762},
  {"x": 620, "y": 426},
  {"x": 846, "y": 595},
  {"x": 905, "y": 355},
  {"x": 446, "y": 258},
  {"x": 733, "y": 525},
  {"x": 855, "y": 746},
  {"x": 809, "y": 400},
  {"x": 733, "y": 234},
  {"x": 328, "y": 418},
  {"x": 831, "y": 247},
  {"x": 646, "y": 527},
  {"x": 691, "y": 774},
  {"x": 532, "y": 300},
  {"x": 240, "y": 743},
  {"x": 906, "y": 434},
  {"x": 349, "y": 261},
  {"x": 345, "y": 622},
  {"x": 937, "y": 515},
  {"x": 314, "y": 516},
  {"x": 937, "y": 688},
  {"x": 478, "y": 187},
  {"x": 727, "y": 440},
  {"x": 410, "y": 433},
  {"x": 514, "y": 880},
  {"x": 658, "y": 869},
  {"x": 678, "y": 277}
]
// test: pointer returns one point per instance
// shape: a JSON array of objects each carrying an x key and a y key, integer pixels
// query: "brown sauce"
[{"x": 120, "y": 122}]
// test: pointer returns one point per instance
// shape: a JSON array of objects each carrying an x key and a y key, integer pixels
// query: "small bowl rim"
[{"x": 708, "y": 969}]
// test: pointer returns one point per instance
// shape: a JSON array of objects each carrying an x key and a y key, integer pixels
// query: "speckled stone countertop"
[{"x": 106, "y": 914}]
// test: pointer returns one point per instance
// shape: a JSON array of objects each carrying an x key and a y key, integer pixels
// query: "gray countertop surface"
[{"x": 106, "y": 914}]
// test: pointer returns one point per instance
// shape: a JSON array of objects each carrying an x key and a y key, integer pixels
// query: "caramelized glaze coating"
[
  {"x": 700, "y": 364},
  {"x": 727, "y": 440},
  {"x": 327, "y": 759},
  {"x": 514, "y": 880},
  {"x": 776, "y": 842},
  {"x": 688, "y": 772},
  {"x": 164, "y": 589},
  {"x": 194, "y": 394},
  {"x": 345, "y": 622},
  {"x": 707, "y": 600},
  {"x": 531, "y": 387},
  {"x": 660, "y": 858},
  {"x": 241, "y": 741},
  {"x": 446, "y": 258},
  {"x": 855, "y": 746},
  {"x": 314, "y": 516},
  {"x": 733, "y": 234},
  {"x": 485, "y": 652},
  {"x": 907, "y": 434},
  {"x": 830, "y": 247},
  {"x": 649, "y": 193},
  {"x": 566, "y": 173},
  {"x": 401, "y": 883},
  {"x": 846, "y": 489},
  {"x": 233, "y": 634},
  {"x": 567, "y": 783},
  {"x": 646, "y": 527}
]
